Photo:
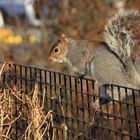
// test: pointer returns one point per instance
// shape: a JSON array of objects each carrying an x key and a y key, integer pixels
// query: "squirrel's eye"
[{"x": 56, "y": 50}]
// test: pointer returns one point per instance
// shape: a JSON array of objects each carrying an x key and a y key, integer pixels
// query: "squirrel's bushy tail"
[{"x": 122, "y": 33}]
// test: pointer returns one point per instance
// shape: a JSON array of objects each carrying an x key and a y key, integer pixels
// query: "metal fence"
[{"x": 71, "y": 105}]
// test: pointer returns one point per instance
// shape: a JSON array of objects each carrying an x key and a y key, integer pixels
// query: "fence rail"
[{"x": 66, "y": 107}]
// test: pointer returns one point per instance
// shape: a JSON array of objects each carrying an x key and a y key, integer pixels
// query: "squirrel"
[{"x": 113, "y": 60}]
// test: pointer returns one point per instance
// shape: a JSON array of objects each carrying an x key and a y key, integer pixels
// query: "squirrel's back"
[{"x": 122, "y": 34}]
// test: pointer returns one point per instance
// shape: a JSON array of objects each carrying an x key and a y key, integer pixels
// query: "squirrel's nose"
[{"x": 50, "y": 59}]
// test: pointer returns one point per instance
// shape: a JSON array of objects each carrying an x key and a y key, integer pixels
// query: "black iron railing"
[{"x": 71, "y": 105}]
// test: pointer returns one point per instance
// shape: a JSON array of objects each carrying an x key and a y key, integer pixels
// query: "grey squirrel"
[{"x": 114, "y": 60}]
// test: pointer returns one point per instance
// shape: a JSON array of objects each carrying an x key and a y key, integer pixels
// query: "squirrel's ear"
[{"x": 64, "y": 38}]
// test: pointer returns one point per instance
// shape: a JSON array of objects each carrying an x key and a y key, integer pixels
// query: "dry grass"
[
  {"x": 41, "y": 124},
  {"x": 17, "y": 107},
  {"x": 7, "y": 109}
]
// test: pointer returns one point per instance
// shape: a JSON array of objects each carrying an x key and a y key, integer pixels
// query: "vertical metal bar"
[
  {"x": 135, "y": 113},
  {"x": 102, "y": 119},
  {"x": 35, "y": 73},
  {"x": 60, "y": 92},
  {"x": 31, "y": 79},
  {"x": 88, "y": 95},
  {"x": 128, "y": 113},
  {"x": 15, "y": 74},
  {"x": 93, "y": 90},
  {"x": 26, "y": 82},
  {"x": 50, "y": 87},
  {"x": 16, "y": 112},
  {"x": 46, "y": 90},
  {"x": 66, "y": 97},
  {"x": 21, "y": 89},
  {"x": 114, "y": 111},
  {"x": 60, "y": 82},
  {"x": 56, "y": 93},
  {"x": 40, "y": 87},
  {"x": 82, "y": 105},
  {"x": 77, "y": 104},
  {"x": 55, "y": 89},
  {"x": 107, "y": 111},
  {"x": 121, "y": 110},
  {"x": 40, "y": 81},
  {"x": 71, "y": 102},
  {"x": 93, "y": 98}
]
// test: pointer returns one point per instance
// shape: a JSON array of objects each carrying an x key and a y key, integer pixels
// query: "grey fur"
[{"x": 77, "y": 50}]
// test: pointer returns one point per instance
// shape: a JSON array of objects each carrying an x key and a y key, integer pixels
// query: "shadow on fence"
[{"x": 49, "y": 105}]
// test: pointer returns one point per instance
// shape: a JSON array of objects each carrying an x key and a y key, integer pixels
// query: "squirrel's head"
[{"x": 59, "y": 50}]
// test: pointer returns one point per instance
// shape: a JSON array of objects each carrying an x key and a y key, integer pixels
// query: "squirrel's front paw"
[{"x": 79, "y": 77}]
